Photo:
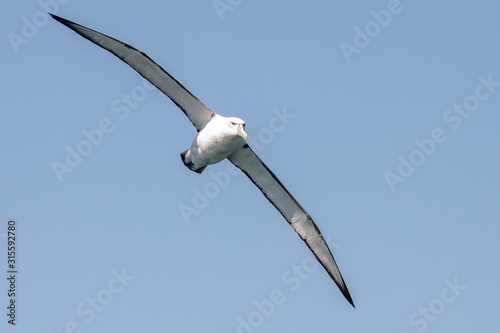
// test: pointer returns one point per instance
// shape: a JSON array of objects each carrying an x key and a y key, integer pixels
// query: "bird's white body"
[{"x": 216, "y": 141}]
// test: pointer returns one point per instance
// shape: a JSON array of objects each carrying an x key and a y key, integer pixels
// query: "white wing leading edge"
[
  {"x": 292, "y": 211},
  {"x": 195, "y": 110}
]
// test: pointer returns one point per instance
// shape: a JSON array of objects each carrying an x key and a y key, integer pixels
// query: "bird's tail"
[{"x": 187, "y": 162}]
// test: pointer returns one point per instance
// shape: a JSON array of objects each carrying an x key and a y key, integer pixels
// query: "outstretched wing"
[
  {"x": 292, "y": 211},
  {"x": 245, "y": 158},
  {"x": 197, "y": 112}
]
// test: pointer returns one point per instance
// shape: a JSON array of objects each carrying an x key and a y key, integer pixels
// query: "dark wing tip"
[
  {"x": 342, "y": 287},
  {"x": 61, "y": 20},
  {"x": 57, "y": 18},
  {"x": 346, "y": 294}
]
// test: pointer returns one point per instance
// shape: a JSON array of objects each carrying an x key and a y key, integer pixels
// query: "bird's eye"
[{"x": 234, "y": 124}]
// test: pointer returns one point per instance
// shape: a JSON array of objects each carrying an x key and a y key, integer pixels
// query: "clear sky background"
[{"x": 418, "y": 247}]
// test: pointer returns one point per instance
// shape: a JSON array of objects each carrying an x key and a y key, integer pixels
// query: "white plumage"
[{"x": 216, "y": 141}]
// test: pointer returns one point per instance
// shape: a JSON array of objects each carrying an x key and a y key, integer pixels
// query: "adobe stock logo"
[
  {"x": 30, "y": 27},
  {"x": 121, "y": 108},
  {"x": 223, "y": 6},
  {"x": 363, "y": 37},
  {"x": 454, "y": 117},
  {"x": 97, "y": 303},
  {"x": 421, "y": 319},
  {"x": 291, "y": 280}
]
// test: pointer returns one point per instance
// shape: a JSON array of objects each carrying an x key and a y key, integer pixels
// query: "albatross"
[{"x": 219, "y": 138}]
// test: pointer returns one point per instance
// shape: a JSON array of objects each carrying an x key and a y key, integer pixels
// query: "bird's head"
[{"x": 237, "y": 125}]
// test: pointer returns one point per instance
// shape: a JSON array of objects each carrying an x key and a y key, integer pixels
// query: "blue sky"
[{"x": 381, "y": 117}]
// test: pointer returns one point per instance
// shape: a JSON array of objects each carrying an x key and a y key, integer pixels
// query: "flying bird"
[{"x": 219, "y": 138}]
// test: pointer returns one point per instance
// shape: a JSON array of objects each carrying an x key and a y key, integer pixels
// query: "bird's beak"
[{"x": 242, "y": 132}]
